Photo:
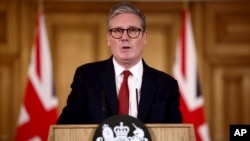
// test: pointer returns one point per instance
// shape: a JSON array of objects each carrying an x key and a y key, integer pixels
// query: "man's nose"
[{"x": 125, "y": 35}]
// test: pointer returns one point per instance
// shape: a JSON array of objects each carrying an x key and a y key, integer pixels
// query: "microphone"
[{"x": 137, "y": 99}]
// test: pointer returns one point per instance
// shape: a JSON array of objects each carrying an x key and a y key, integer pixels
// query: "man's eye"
[
  {"x": 132, "y": 30},
  {"x": 117, "y": 30}
]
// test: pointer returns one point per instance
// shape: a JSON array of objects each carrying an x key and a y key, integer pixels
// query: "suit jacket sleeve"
[
  {"x": 86, "y": 100},
  {"x": 73, "y": 112}
]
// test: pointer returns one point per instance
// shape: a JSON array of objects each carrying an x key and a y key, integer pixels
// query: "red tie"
[{"x": 124, "y": 94}]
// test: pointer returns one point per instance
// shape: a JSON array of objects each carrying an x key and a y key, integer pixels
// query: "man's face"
[{"x": 126, "y": 51}]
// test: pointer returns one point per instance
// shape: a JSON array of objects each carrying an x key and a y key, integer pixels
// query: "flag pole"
[
  {"x": 40, "y": 5},
  {"x": 185, "y": 5}
]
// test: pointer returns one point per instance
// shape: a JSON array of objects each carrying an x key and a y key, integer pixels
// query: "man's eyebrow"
[{"x": 125, "y": 28}]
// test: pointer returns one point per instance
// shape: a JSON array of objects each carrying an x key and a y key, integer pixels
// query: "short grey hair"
[{"x": 125, "y": 7}]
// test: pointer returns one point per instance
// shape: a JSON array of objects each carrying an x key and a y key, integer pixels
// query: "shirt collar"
[{"x": 135, "y": 70}]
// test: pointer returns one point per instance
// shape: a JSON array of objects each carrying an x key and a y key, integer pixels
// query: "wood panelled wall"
[{"x": 77, "y": 34}]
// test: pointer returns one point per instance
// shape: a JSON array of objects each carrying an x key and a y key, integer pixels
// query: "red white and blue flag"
[
  {"x": 185, "y": 71},
  {"x": 39, "y": 108}
]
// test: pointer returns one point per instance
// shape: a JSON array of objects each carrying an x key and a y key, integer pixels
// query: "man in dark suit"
[{"x": 153, "y": 95}]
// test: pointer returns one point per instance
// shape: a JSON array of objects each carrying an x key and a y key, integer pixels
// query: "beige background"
[{"x": 76, "y": 31}]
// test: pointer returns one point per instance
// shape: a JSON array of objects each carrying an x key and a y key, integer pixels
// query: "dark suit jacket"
[{"x": 93, "y": 97}]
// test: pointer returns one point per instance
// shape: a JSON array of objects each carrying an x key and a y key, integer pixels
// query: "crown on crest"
[{"x": 121, "y": 131}]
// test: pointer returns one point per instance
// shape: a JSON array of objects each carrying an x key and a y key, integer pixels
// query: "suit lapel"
[
  {"x": 108, "y": 81},
  {"x": 107, "y": 75},
  {"x": 147, "y": 93}
]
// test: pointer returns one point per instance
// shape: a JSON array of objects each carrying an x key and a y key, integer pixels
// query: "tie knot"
[{"x": 126, "y": 73}]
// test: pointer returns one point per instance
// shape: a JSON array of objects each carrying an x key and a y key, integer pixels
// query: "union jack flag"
[
  {"x": 185, "y": 71},
  {"x": 39, "y": 108}
]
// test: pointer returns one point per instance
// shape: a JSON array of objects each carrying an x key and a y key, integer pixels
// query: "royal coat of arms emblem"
[{"x": 122, "y": 128}]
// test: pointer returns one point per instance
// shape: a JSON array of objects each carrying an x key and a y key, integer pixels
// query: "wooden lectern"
[{"x": 158, "y": 132}]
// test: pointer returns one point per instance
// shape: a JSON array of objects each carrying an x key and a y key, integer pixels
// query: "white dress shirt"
[{"x": 134, "y": 84}]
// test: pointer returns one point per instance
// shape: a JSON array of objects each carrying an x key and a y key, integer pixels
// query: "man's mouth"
[{"x": 126, "y": 47}]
